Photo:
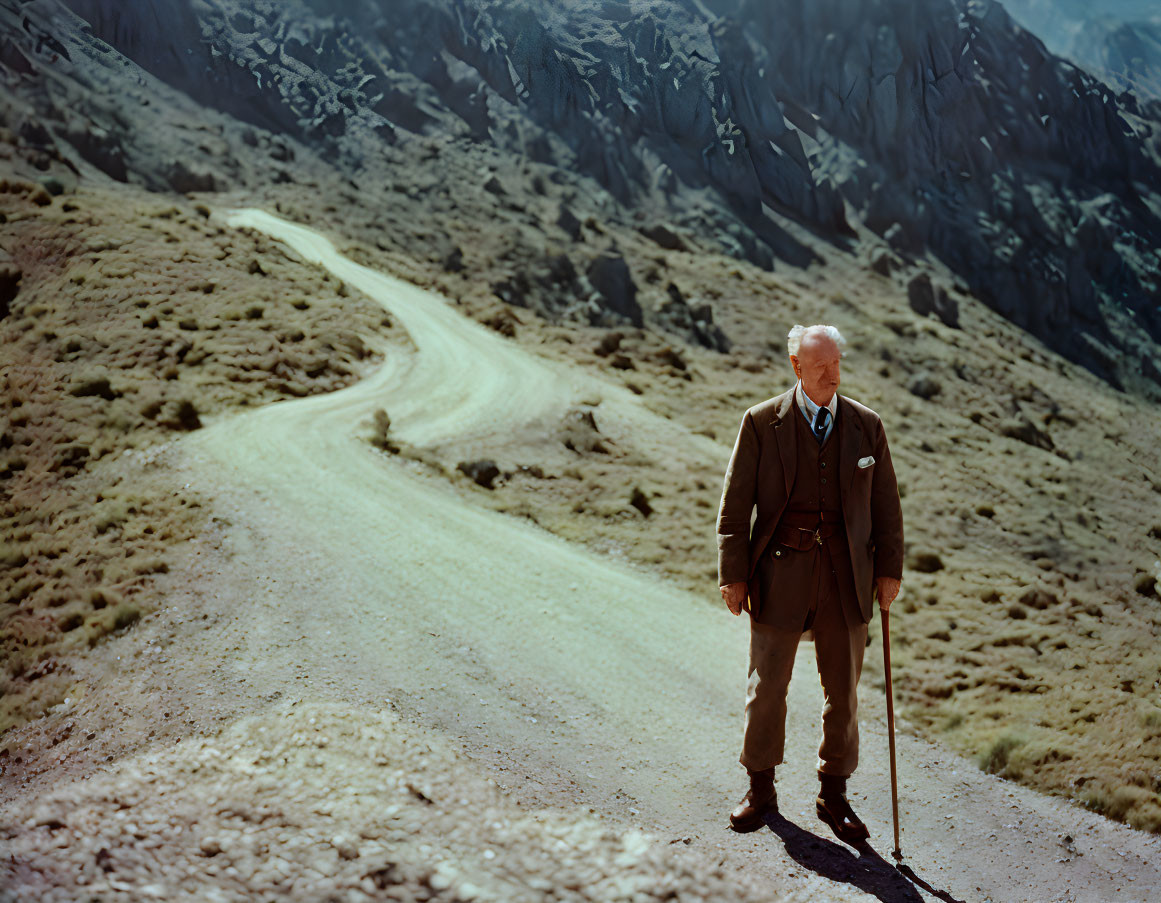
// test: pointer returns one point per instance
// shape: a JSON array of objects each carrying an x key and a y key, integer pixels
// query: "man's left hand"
[{"x": 888, "y": 589}]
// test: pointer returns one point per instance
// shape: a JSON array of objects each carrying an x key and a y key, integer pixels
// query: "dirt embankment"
[{"x": 374, "y": 809}]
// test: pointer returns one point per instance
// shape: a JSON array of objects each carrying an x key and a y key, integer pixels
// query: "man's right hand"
[{"x": 735, "y": 596}]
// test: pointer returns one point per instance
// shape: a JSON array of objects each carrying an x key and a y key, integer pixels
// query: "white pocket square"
[{"x": 867, "y": 461}]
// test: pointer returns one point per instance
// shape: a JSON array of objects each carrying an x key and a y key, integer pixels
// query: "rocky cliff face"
[
  {"x": 940, "y": 124},
  {"x": 1022, "y": 173}
]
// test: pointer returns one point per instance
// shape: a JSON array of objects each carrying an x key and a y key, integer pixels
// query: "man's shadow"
[{"x": 868, "y": 871}]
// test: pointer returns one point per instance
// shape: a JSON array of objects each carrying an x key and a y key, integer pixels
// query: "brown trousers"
[{"x": 838, "y": 648}]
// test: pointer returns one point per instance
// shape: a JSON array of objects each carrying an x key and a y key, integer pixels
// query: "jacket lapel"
[
  {"x": 784, "y": 430},
  {"x": 852, "y": 438}
]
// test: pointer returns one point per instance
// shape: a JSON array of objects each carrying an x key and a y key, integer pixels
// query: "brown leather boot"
[
  {"x": 759, "y": 799},
  {"x": 834, "y": 809}
]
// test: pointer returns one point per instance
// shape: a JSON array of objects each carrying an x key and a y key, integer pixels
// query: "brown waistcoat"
[
  {"x": 792, "y": 575},
  {"x": 816, "y": 485}
]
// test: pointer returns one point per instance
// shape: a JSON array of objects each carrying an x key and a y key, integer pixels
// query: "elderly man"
[{"x": 828, "y": 536}]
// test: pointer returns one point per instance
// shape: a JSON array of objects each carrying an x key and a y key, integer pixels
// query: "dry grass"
[{"x": 136, "y": 319}]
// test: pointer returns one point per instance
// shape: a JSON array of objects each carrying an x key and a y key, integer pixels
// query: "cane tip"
[{"x": 898, "y": 854}]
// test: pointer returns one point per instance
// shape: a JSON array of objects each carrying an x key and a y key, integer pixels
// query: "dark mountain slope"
[{"x": 941, "y": 125}]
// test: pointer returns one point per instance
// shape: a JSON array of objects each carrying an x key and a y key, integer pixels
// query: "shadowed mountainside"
[{"x": 952, "y": 131}]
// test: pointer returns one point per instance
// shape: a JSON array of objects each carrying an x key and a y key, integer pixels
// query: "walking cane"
[{"x": 897, "y": 853}]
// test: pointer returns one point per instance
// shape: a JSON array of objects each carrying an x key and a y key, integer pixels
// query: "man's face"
[{"x": 817, "y": 365}]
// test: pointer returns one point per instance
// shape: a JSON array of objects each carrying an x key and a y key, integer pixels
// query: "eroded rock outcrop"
[{"x": 940, "y": 124}]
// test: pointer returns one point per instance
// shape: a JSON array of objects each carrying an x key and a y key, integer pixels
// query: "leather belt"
[
  {"x": 802, "y": 530},
  {"x": 803, "y": 538}
]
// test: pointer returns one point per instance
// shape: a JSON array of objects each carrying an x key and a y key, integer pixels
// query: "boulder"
[
  {"x": 884, "y": 263},
  {"x": 453, "y": 261},
  {"x": 513, "y": 290},
  {"x": 579, "y": 432},
  {"x": 640, "y": 501},
  {"x": 926, "y": 297},
  {"x": 695, "y": 322},
  {"x": 664, "y": 235},
  {"x": 184, "y": 177},
  {"x": 924, "y": 385},
  {"x": 10, "y": 276},
  {"x": 483, "y": 471},
  {"x": 569, "y": 223},
  {"x": 924, "y": 562},
  {"x": 610, "y": 276},
  {"x": 1024, "y": 430}
]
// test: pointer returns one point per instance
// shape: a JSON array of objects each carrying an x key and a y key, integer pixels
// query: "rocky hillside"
[{"x": 953, "y": 132}]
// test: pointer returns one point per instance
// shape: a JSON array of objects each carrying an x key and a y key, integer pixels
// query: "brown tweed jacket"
[{"x": 761, "y": 472}]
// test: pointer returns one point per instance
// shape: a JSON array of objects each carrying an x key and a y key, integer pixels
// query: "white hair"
[{"x": 798, "y": 333}]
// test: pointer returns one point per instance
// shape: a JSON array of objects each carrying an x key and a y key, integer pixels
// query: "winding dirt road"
[{"x": 569, "y": 678}]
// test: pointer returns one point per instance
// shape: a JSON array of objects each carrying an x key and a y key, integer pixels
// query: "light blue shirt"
[{"x": 809, "y": 408}]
